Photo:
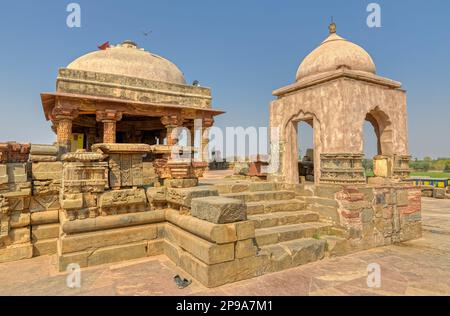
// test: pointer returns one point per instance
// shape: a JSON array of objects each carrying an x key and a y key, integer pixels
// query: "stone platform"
[{"x": 419, "y": 267}]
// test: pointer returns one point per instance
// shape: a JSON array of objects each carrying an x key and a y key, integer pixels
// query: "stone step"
[
  {"x": 266, "y": 207},
  {"x": 283, "y": 218},
  {"x": 262, "y": 196},
  {"x": 227, "y": 187},
  {"x": 294, "y": 253},
  {"x": 277, "y": 234}
]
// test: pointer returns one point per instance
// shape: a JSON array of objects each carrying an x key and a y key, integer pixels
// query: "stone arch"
[
  {"x": 290, "y": 137},
  {"x": 382, "y": 125}
]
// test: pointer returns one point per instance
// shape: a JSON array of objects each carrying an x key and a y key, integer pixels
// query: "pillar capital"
[
  {"x": 172, "y": 120},
  {"x": 208, "y": 122},
  {"x": 64, "y": 113},
  {"x": 108, "y": 116}
]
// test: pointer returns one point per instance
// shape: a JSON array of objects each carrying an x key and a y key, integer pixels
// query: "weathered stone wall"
[
  {"x": 29, "y": 192},
  {"x": 367, "y": 216}
]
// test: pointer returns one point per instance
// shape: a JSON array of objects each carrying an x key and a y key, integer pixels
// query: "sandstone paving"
[{"x": 420, "y": 267}]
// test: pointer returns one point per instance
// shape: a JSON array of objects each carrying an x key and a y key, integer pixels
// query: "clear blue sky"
[{"x": 242, "y": 49}]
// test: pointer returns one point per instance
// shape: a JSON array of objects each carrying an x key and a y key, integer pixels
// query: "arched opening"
[
  {"x": 378, "y": 141},
  {"x": 305, "y": 144},
  {"x": 371, "y": 147}
]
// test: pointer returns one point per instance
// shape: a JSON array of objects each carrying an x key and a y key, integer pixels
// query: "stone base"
[
  {"x": 114, "y": 245},
  {"x": 16, "y": 252}
]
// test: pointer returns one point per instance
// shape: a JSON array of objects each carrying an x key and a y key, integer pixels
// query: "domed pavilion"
[
  {"x": 124, "y": 94},
  {"x": 336, "y": 91}
]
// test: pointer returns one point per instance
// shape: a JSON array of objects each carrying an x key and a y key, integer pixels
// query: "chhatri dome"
[
  {"x": 336, "y": 53},
  {"x": 127, "y": 59}
]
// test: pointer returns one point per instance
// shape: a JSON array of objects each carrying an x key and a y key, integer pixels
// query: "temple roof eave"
[
  {"x": 332, "y": 75},
  {"x": 87, "y": 104}
]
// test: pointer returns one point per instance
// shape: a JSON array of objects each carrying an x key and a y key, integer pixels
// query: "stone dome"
[
  {"x": 127, "y": 59},
  {"x": 336, "y": 53}
]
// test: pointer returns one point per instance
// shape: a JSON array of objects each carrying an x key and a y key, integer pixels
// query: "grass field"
[{"x": 437, "y": 175}]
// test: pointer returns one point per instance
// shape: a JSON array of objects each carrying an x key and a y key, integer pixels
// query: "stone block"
[
  {"x": 219, "y": 234},
  {"x": 206, "y": 251},
  {"x": 17, "y": 172},
  {"x": 245, "y": 248},
  {"x": 184, "y": 197},
  {"x": 3, "y": 174},
  {"x": 181, "y": 183},
  {"x": 402, "y": 198},
  {"x": 79, "y": 258},
  {"x": 16, "y": 252},
  {"x": 107, "y": 238},
  {"x": 439, "y": 193},
  {"x": 72, "y": 201},
  {"x": 42, "y": 158},
  {"x": 47, "y": 171},
  {"x": 45, "y": 150},
  {"x": 117, "y": 253},
  {"x": 45, "y": 247},
  {"x": 112, "y": 222},
  {"x": 244, "y": 230},
  {"x": 123, "y": 201},
  {"x": 44, "y": 232},
  {"x": 48, "y": 217},
  {"x": 155, "y": 247},
  {"x": 219, "y": 210},
  {"x": 20, "y": 235},
  {"x": 223, "y": 273},
  {"x": 19, "y": 219},
  {"x": 44, "y": 203},
  {"x": 367, "y": 215}
]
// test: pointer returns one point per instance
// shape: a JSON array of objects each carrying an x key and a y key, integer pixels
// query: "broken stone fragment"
[{"x": 219, "y": 210}]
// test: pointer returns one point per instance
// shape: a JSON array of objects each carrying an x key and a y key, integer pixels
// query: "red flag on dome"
[{"x": 104, "y": 46}]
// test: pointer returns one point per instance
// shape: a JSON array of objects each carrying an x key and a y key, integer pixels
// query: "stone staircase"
[{"x": 287, "y": 230}]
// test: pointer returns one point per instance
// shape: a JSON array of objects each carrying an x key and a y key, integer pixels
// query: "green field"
[{"x": 437, "y": 175}]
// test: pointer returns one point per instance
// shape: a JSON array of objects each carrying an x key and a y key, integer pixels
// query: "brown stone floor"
[{"x": 420, "y": 267}]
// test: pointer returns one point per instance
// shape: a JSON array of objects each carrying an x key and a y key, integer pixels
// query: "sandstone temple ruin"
[{"x": 118, "y": 185}]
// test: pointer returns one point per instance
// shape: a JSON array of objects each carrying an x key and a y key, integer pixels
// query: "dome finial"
[{"x": 332, "y": 27}]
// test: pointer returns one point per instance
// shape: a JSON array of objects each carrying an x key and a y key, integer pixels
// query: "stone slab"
[
  {"x": 113, "y": 222},
  {"x": 47, "y": 171},
  {"x": 107, "y": 238}
]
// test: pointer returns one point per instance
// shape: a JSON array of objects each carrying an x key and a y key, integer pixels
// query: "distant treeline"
[
  {"x": 425, "y": 165},
  {"x": 430, "y": 164}
]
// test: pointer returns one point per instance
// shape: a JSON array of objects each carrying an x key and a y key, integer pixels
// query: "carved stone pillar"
[
  {"x": 207, "y": 124},
  {"x": 109, "y": 118},
  {"x": 171, "y": 122},
  {"x": 63, "y": 118}
]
